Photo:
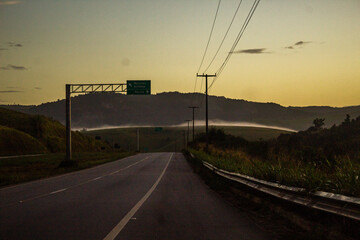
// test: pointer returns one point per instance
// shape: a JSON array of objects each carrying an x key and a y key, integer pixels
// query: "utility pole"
[
  {"x": 187, "y": 139},
  {"x": 207, "y": 107},
  {"x": 137, "y": 140},
  {"x": 185, "y": 143},
  {"x": 193, "y": 127}
]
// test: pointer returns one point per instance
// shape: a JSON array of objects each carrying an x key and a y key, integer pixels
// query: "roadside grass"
[
  {"x": 343, "y": 178},
  {"x": 13, "y": 141},
  {"x": 24, "y": 169},
  {"x": 22, "y": 133},
  {"x": 252, "y": 133}
]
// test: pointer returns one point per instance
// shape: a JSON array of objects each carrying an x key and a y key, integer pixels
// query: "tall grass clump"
[{"x": 316, "y": 159}]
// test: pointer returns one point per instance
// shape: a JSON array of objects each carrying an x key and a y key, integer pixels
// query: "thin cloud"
[
  {"x": 11, "y": 91},
  {"x": 252, "y": 51},
  {"x": 298, "y": 44},
  {"x": 13, "y": 67},
  {"x": 301, "y": 43},
  {"x": 7, "y": 3},
  {"x": 13, "y": 44},
  {"x": 15, "y": 88}
]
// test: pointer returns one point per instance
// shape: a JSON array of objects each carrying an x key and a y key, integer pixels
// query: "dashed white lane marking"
[
  {"x": 117, "y": 229},
  {"x": 61, "y": 190},
  {"x": 127, "y": 166},
  {"x": 77, "y": 185},
  {"x": 58, "y": 176}
]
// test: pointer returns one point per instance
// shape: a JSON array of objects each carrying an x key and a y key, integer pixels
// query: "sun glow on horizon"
[{"x": 294, "y": 53}]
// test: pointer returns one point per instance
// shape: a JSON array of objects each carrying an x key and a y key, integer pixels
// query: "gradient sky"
[{"x": 302, "y": 52}]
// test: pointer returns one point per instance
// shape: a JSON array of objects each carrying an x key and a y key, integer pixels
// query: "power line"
[
  {"x": 212, "y": 28},
  {"x": 227, "y": 31},
  {"x": 242, "y": 30},
  {"x": 247, "y": 20},
  {"x": 207, "y": 45}
]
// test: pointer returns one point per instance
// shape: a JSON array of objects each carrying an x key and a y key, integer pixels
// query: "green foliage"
[
  {"x": 23, "y": 169},
  {"x": 321, "y": 147},
  {"x": 325, "y": 159},
  {"x": 319, "y": 123},
  {"x": 14, "y": 142},
  {"x": 343, "y": 180},
  {"x": 45, "y": 131}
]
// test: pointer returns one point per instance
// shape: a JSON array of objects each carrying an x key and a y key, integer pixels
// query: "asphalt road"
[{"x": 147, "y": 196}]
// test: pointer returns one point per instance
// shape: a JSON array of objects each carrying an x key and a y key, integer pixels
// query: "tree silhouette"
[{"x": 319, "y": 123}]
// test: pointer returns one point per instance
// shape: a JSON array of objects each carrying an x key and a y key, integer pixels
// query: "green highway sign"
[{"x": 138, "y": 87}]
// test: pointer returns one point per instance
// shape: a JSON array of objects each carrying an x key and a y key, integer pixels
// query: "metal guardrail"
[{"x": 329, "y": 202}]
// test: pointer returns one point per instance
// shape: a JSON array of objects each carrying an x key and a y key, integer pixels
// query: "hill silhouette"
[{"x": 101, "y": 109}]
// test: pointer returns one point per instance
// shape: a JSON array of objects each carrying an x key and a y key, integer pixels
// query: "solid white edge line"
[{"x": 117, "y": 229}]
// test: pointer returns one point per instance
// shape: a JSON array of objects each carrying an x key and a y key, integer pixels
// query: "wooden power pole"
[
  {"x": 207, "y": 107},
  {"x": 193, "y": 121}
]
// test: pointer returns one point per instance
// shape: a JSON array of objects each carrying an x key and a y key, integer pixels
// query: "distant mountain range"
[{"x": 111, "y": 109}]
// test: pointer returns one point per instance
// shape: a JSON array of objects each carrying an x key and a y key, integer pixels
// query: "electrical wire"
[
  {"x": 212, "y": 29},
  {"x": 247, "y": 20},
  {"x": 207, "y": 45},
  {"x": 227, "y": 31}
]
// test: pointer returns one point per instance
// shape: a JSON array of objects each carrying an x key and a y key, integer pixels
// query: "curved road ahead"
[{"x": 147, "y": 196}]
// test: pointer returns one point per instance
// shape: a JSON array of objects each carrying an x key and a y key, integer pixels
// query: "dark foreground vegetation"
[
  {"x": 315, "y": 159},
  {"x": 22, "y": 133},
  {"x": 24, "y": 169}
]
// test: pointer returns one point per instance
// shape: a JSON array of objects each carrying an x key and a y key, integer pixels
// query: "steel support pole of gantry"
[
  {"x": 68, "y": 123},
  {"x": 83, "y": 88}
]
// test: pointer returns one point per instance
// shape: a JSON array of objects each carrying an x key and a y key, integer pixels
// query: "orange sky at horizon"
[{"x": 294, "y": 53}]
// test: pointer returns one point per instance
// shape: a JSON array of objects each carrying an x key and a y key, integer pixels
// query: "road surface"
[{"x": 146, "y": 196}]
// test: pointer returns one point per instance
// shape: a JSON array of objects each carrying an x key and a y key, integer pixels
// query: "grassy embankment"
[
  {"x": 22, "y": 134},
  {"x": 169, "y": 139},
  {"x": 23, "y": 169},
  {"x": 317, "y": 159},
  {"x": 15, "y": 142},
  {"x": 29, "y": 134}
]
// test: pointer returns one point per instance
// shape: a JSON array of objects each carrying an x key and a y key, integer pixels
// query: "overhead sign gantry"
[
  {"x": 138, "y": 87},
  {"x": 132, "y": 87}
]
